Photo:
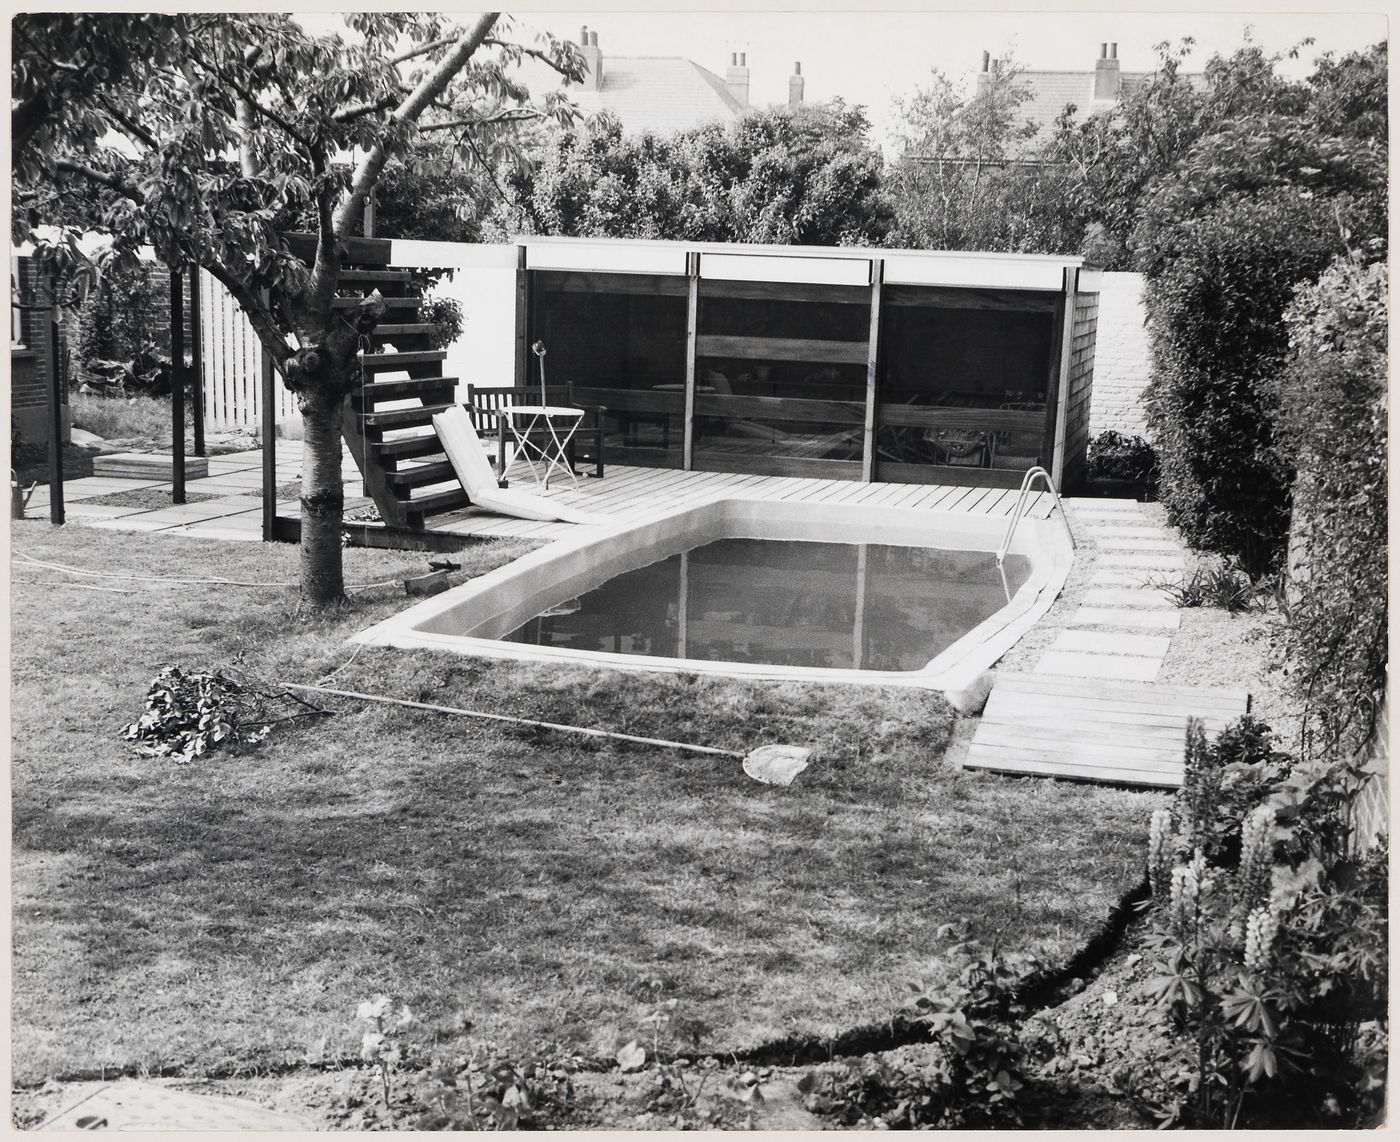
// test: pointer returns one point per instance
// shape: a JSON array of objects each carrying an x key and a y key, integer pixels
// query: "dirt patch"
[{"x": 150, "y": 499}]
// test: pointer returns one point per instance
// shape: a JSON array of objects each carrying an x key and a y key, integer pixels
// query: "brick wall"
[
  {"x": 1122, "y": 358},
  {"x": 1082, "y": 385},
  {"x": 31, "y": 368}
]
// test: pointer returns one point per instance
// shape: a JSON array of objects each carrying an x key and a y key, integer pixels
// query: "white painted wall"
[
  {"x": 483, "y": 280},
  {"x": 1122, "y": 357}
]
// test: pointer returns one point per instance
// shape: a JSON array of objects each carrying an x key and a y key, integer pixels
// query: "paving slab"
[
  {"x": 1127, "y": 617},
  {"x": 1144, "y": 597},
  {"x": 1162, "y": 561},
  {"x": 1095, "y": 642},
  {"x": 1125, "y": 577}
]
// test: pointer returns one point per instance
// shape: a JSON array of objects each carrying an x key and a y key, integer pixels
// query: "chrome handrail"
[{"x": 1016, "y": 513}]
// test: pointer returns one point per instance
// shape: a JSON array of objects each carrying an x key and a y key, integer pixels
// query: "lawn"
[{"x": 228, "y": 915}]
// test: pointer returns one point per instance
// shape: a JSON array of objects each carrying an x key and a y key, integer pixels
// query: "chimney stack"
[
  {"x": 796, "y": 86},
  {"x": 592, "y": 59},
  {"x": 736, "y": 77},
  {"x": 984, "y": 77},
  {"x": 1107, "y": 81}
]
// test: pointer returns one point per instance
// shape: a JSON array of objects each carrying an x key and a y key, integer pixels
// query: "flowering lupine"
[
  {"x": 1256, "y": 861},
  {"x": 1160, "y": 843},
  {"x": 1259, "y": 938}
]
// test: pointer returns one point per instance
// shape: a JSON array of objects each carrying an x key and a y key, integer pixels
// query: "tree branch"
[
  {"x": 102, "y": 178},
  {"x": 513, "y": 115},
  {"x": 272, "y": 338},
  {"x": 429, "y": 89},
  {"x": 422, "y": 50},
  {"x": 543, "y": 57}
]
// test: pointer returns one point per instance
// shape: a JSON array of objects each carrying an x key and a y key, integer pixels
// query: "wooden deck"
[
  {"x": 629, "y": 494},
  {"x": 1091, "y": 729}
]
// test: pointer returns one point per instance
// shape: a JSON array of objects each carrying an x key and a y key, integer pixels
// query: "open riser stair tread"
[{"x": 398, "y": 390}]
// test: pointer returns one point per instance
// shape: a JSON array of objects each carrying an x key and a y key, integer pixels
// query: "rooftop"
[{"x": 660, "y": 94}]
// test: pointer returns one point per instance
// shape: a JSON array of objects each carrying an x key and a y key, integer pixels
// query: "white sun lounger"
[{"x": 473, "y": 468}]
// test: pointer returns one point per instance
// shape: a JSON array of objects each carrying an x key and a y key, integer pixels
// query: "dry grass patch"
[{"x": 231, "y": 913}]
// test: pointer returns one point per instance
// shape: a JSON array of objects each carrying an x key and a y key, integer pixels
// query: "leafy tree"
[
  {"x": 1112, "y": 158},
  {"x": 801, "y": 177},
  {"x": 202, "y": 134},
  {"x": 968, "y": 177}
]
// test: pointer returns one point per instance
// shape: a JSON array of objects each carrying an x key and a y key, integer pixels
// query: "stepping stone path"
[{"x": 1092, "y": 709}]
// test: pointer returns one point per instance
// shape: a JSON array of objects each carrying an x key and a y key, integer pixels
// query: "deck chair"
[{"x": 473, "y": 468}]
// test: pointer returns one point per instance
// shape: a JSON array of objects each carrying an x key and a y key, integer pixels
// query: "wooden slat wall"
[
  {"x": 798, "y": 411},
  {"x": 783, "y": 349},
  {"x": 1081, "y": 375}
]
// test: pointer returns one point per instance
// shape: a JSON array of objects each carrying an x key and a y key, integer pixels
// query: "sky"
[{"x": 872, "y": 57}]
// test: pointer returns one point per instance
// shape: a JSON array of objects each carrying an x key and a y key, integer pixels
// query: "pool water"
[{"x": 866, "y": 606}]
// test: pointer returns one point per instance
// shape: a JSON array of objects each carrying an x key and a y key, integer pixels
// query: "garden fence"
[{"x": 232, "y": 357}]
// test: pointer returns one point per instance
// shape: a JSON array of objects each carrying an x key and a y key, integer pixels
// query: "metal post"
[
  {"x": 197, "y": 357},
  {"x": 692, "y": 332},
  {"x": 872, "y": 370},
  {"x": 177, "y": 386},
  {"x": 55, "y": 418},
  {"x": 269, "y": 448}
]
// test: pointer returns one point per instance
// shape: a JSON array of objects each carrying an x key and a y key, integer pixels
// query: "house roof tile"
[{"x": 659, "y": 94}]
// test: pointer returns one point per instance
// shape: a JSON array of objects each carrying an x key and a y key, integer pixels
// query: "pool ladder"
[{"x": 1026, "y": 482}]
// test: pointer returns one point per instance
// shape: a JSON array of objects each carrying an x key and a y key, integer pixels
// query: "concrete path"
[{"x": 1092, "y": 709}]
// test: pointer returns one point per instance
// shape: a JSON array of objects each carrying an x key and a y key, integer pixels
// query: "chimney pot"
[
  {"x": 1113, "y": 50},
  {"x": 736, "y": 79},
  {"x": 796, "y": 86},
  {"x": 797, "y": 68},
  {"x": 986, "y": 61},
  {"x": 1103, "y": 51},
  {"x": 1107, "y": 79},
  {"x": 583, "y": 37}
]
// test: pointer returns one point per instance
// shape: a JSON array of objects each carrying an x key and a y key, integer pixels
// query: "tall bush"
[
  {"x": 1333, "y": 419},
  {"x": 118, "y": 318},
  {"x": 1251, "y": 212}
]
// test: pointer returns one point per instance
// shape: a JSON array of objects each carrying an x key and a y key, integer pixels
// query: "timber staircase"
[{"x": 388, "y": 423}]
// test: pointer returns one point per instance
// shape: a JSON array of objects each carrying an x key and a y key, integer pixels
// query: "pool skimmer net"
[{"x": 770, "y": 764}]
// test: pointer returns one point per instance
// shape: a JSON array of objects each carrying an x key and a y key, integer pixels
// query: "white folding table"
[{"x": 544, "y": 437}]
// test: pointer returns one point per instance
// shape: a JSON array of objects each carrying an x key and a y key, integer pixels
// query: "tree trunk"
[{"x": 322, "y": 500}]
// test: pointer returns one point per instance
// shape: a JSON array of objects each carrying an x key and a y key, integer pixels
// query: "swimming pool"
[{"x": 478, "y": 617}]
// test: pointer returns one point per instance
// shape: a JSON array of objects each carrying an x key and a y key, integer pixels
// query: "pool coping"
[{"x": 520, "y": 585}]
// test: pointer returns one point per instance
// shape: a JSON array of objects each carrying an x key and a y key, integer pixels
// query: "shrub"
[
  {"x": 1219, "y": 585},
  {"x": 1269, "y": 937},
  {"x": 1333, "y": 425},
  {"x": 116, "y": 320},
  {"x": 1113, "y": 456},
  {"x": 445, "y": 315},
  {"x": 1252, "y": 211}
]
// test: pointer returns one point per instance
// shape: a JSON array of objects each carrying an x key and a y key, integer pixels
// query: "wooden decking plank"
[
  {"x": 1013, "y": 762},
  {"x": 1039, "y": 683},
  {"x": 1158, "y": 754},
  {"x": 1105, "y": 720},
  {"x": 1140, "y": 755}
]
